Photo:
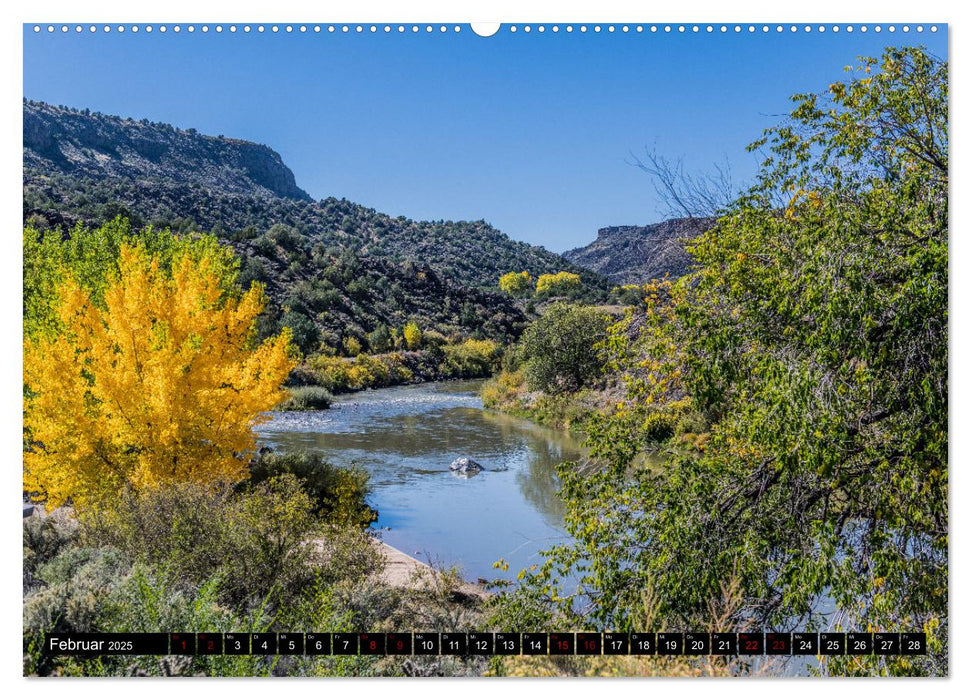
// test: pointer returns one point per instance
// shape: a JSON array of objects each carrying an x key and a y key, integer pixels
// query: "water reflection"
[
  {"x": 544, "y": 450},
  {"x": 406, "y": 437}
]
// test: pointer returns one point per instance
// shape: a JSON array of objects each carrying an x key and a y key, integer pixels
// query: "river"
[{"x": 406, "y": 437}]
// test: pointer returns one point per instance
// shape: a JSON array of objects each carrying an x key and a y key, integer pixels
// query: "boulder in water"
[{"x": 464, "y": 465}]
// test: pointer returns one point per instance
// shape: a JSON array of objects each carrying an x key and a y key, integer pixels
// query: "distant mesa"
[
  {"x": 90, "y": 144},
  {"x": 638, "y": 254}
]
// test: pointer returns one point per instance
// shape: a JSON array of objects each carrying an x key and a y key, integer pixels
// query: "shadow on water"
[{"x": 544, "y": 450}]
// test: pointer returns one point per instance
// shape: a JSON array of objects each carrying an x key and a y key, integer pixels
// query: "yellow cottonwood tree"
[
  {"x": 560, "y": 283},
  {"x": 160, "y": 384}
]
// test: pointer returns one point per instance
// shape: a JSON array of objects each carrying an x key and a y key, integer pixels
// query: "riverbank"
[
  {"x": 403, "y": 571},
  {"x": 406, "y": 438},
  {"x": 507, "y": 393},
  {"x": 399, "y": 570}
]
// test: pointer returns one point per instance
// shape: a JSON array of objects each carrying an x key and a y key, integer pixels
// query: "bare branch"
[{"x": 686, "y": 195}]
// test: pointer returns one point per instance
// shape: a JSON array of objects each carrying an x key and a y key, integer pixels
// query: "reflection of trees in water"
[
  {"x": 544, "y": 449},
  {"x": 455, "y": 432},
  {"x": 538, "y": 481}
]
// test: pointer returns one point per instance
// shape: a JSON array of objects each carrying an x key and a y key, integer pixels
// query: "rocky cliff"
[
  {"x": 637, "y": 254},
  {"x": 89, "y": 144}
]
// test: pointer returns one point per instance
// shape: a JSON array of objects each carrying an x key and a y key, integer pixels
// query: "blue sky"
[{"x": 530, "y": 132}]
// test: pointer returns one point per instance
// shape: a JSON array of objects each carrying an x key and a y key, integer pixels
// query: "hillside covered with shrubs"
[{"x": 337, "y": 273}]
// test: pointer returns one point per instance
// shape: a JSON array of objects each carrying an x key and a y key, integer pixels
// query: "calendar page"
[{"x": 522, "y": 349}]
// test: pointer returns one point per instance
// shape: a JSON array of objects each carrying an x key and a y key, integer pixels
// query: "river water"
[{"x": 406, "y": 437}]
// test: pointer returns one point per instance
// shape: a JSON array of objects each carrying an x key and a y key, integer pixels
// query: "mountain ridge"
[
  {"x": 92, "y": 144},
  {"x": 638, "y": 254}
]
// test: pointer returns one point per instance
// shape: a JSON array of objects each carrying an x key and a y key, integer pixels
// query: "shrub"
[
  {"x": 195, "y": 560},
  {"x": 307, "y": 398},
  {"x": 333, "y": 373},
  {"x": 368, "y": 371},
  {"x": 265, "y": 247},
  {"x": 44, "y": 538},
  {"x": 303, "y": 331},
  {"x": 627, "y": 294},
  {"x": 501, "y": 389},
  {"x": 516, "y": 284},
  {"x": 259, "y": 541},
  {"x": 77, "y": 582},
  {"x": 434, "y": 340},
  {"x": 352, "y": 346},
  {"x": 473, "y": 358},
  {"x": 340, "y": 374},
  {"x": 412, "y": 335},
  {"x": 285, "y": 237},
  {"x": 338, "y": 494},
  {"x": 559, "y": 349},
  {"x": 380, "y": 339},
  {"x": 560, "y": 284}
]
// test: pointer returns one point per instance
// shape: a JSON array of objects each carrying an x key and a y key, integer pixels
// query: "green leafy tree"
[
  {"x": 90, "y": 256},
  {"x": 380, "y": 339},
  {"x": 813, "y": 342},
  {"x": 306, "y": 335},
  {"x": 558, "y": 350}
]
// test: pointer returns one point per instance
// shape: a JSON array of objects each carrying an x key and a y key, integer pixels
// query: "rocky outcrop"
[
  {"x": 638, "y": 254},
  {"x": 89, "y": 144}
]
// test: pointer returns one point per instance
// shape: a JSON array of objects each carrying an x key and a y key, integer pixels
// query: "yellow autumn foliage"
[
  {"x": 560, "y": 283},
  {"x": 516, "y": 283},
  {"x": 163, "y": 385},
  {"x": 412, "y": 334}
]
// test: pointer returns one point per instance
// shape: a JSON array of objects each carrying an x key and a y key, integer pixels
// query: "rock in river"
[{"x": 464, "y": 465}]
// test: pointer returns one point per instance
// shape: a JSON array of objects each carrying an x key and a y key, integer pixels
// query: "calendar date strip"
[{"x": 489, "y": 643}]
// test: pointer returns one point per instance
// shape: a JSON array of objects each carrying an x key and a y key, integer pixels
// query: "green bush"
[
  {"x": 285, "y": 237},
  {"x": 379, "y": 339},
  {"x": 433, "y": 340},
  {"x": 259, "y": 541},
  {"x": 473, "y": 358},
  {"x": 44, "y": 538},
  {"x": 559, "y": 350},
  {"x": 191, "y": 559},
  {"x": 88, "y": 584},
  {"x": 306, "y": 335},
  {"x": 338, "y": 494},
  {"x": 307, "y": 398},
  {"x": 76, "y": 584},
  {"x": 265, "y": 247}
]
